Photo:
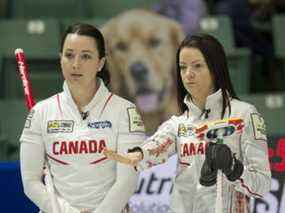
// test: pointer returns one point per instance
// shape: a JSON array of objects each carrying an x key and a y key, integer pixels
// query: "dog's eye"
[
  {"x": 154, "y": 42},
  {"x": 122, "y": 46}
]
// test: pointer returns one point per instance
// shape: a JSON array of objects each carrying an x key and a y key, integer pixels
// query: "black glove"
[
  {"x": 222, "y": 158},
  {"x": 208, "y": 176}
]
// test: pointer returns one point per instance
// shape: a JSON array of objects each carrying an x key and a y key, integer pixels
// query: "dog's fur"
[{"x": 141, "y": 47}]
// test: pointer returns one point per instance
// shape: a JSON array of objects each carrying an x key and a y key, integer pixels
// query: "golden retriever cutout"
[{"x": 141, "y": 47}]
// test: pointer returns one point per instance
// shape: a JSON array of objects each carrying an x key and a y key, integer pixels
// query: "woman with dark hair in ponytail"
[
  {"x": 239, "y": 166},
  {"x": 68, "y": 132}
]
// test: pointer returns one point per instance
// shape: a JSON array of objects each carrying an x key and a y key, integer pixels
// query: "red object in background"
[
  {"x": 277, "y": 156},
  {"x": 24, "y": 74}
]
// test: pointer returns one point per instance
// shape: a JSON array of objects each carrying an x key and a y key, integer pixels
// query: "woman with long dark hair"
[
  {"x": 68, "y": 132},
  {"x": 238, "y": 167}
]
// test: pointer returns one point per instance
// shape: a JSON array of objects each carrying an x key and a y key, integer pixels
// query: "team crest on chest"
[
  {"x": 185, "y": 130},
  {"x": 60, "y": 126}
]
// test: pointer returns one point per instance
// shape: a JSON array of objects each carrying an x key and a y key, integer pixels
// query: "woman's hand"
[
  {"x": 220, "y": 156},
  {"x": 132, "y": 158}
]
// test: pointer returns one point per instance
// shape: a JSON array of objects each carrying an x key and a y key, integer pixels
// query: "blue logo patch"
[{"x": 100, "y": 124}]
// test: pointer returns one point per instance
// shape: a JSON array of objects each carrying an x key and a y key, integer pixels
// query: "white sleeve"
[
  {"x": 32, "y": 162},
  {"x": 256, "y": 178},
  {"x": 159, "y": 147},
  {"x": 32, "y": 132},
  {"x": 32, "y": 159},
  {"x": 131, "y": 133}
]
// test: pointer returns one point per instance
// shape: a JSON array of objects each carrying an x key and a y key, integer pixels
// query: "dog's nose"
[{"x": 139, "y": 71}]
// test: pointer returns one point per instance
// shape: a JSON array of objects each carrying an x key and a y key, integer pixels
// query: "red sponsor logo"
[
  {"x": 78, "y": 147},
  {"x": 161, "y": 148}
]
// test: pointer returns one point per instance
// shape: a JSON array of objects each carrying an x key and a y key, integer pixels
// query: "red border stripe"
[
  {"x": 58, "y": 103},
  {"x": 247, "y": 188},
  {"x": 99, "y": 160},
  {"x": 108, "y": 99},
  {"x": 59, "y": 161},
  {"x": 184, "y": 163}
]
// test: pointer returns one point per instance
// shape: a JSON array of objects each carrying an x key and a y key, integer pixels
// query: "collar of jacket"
[{"x": 213, "y": 103}]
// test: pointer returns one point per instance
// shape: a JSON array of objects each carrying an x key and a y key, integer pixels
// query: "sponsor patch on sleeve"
[
  {"x": 135, "y": 121},
  {"x": 258, "y": 126},
  {"x": 29, "y": 119}
]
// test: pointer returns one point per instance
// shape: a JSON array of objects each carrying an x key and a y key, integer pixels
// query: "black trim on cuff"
[{"x": 136, "y": 149}]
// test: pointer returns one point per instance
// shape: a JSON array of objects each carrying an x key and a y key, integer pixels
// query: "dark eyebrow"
[
  {"x": 87, "y": 51},
  {"x": 84, "y": 51},
  {"x": 193, "y": 62}
]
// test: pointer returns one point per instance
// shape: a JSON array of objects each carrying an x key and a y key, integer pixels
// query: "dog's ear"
[
  {"x": 176, "y": 33},
  {"x": 109, "y": 30}
]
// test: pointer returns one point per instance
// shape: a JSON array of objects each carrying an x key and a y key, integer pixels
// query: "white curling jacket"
[
  {"x": 176, "y": 136},
  {"x": 72, "y": 146}
]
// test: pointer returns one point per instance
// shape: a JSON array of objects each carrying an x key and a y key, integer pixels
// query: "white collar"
[{"x": 213, "y": 102}]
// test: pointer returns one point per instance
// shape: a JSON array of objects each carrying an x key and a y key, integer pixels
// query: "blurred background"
[{"x": 252, "y": 32}]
